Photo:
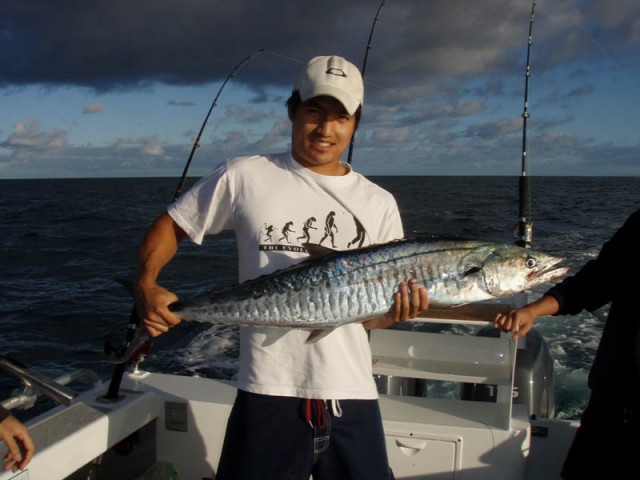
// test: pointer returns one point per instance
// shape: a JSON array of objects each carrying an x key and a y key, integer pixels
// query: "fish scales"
[
  {"x": 349, "y": 285},
  {"x": 346, "y": 286}
]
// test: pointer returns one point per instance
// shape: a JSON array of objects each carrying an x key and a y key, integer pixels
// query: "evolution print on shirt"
[{"x": 338, "y": 231}]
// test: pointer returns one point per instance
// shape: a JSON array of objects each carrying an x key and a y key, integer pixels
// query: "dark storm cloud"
[
  {"x": 118, "y": 43},
  {"x": 109, "y": 44}
]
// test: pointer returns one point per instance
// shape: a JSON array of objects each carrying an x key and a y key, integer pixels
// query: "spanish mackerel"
[{"x": 332, "y": 288}]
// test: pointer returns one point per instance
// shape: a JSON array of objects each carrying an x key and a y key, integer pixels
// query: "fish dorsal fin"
[{"x": 315, "y": 250}]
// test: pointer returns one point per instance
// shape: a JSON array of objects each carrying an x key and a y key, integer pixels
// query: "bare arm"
[
  {"x": 15, "y": 434},
  {"x": 152, "y": 300},
  {"x": 520, "y": 320},
  {"x": 408, "y": 302}
]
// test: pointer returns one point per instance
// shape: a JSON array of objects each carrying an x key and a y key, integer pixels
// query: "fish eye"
[
  {"x": 471, "y": 271},
  {"x": 530, "y": 262}
]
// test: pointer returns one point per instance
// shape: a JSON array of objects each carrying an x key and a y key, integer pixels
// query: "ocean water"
[{"x": 66, "y": 243}]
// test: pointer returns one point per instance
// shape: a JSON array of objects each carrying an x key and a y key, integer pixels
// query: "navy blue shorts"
[{"x": 286, "y": 438}]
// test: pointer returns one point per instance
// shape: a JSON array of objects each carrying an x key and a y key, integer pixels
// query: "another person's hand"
[
  {"x": 16, "y": 435},
  {"x": 408, "y": 302},
  {"x": 520, "y": 320}
]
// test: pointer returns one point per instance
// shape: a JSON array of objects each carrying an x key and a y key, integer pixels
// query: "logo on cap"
[{"x": 338, "y": 72}]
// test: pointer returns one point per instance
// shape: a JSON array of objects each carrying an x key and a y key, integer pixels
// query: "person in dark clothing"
[{"x": 608, "y": 439}]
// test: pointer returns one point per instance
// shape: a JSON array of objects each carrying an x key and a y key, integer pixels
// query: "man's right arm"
[{"x": 159, "y": 246}]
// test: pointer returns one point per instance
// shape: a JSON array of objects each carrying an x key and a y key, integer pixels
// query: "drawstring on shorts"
[
  {"x": 335, "y": 408},
  {"x": 321, "y": 410},
  {"x": 321, "y": 415}
]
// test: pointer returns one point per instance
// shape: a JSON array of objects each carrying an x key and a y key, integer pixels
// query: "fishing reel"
[{"x": 523, "y": 233}]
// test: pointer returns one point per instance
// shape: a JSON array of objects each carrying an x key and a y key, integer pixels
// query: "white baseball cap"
[{"x": 333, "y": 76}]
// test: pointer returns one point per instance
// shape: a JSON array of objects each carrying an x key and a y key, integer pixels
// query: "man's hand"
[
  {"x": 408, "y": 302},
  {"x": 152, "y": 303}
]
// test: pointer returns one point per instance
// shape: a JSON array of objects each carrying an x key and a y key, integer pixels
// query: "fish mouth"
[{"x": 549, "y": 273}]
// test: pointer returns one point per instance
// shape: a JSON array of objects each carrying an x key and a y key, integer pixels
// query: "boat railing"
[{"x": 35, "y": 383}]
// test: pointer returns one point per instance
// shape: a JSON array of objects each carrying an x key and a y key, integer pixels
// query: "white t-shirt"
[{"x": 275, "y": 205}]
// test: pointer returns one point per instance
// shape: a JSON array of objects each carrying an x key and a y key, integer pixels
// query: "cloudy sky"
[{"x": 111, "y": 88}]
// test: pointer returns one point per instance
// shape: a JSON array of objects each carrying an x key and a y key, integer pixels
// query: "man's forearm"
[{"x": 157, "y": 249}]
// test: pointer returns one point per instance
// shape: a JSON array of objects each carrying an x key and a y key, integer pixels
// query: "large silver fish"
[{"x": 332, "y": 288}]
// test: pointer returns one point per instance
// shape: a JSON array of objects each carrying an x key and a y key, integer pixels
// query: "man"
[
  {"x": 16, "y": 436},
  {"x": 608, "y": 439},
  {"x": 301, "y": 408}
]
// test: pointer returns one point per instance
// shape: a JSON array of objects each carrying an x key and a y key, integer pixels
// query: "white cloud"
[
  {"x": 93, "y": 107},
  {"x": 149, "y": 145},
  {"x": 31, "y": 136}
]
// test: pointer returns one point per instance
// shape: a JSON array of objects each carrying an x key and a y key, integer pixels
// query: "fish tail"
[
  {"x": 137, "y": 335},
  {"x": 129, "y": 349}
]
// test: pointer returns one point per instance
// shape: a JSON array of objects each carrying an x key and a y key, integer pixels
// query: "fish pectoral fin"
[{"x": 319, "y": 334}]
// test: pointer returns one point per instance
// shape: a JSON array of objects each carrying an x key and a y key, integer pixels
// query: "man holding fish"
[{"x": 303, "y": 408}]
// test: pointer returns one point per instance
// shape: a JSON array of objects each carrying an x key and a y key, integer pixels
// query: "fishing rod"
[
  {"x": 364, "y": 66},
  {"x": 196, "y": 143},
  {"x": 525, "y": 226},
  {"x": 134, "y": 320}
]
